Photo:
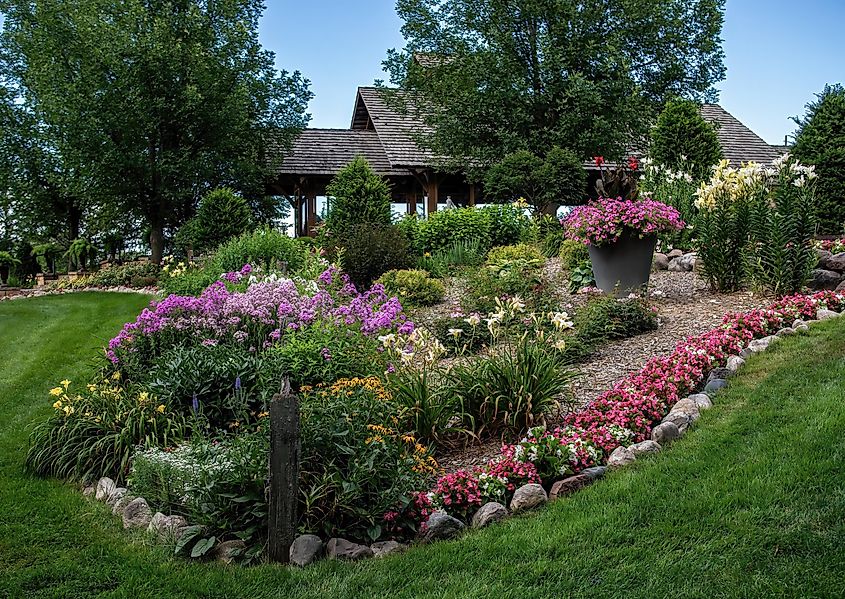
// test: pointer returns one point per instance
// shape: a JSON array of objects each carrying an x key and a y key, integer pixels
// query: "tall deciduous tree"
[
  {"x": 820, "y": 140},
  {"x": 156, "y": 101},
  {"x": 491, "y": 77}
]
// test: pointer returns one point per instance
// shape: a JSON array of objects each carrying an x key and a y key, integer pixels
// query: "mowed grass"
[{"x": 749, "y": 504}]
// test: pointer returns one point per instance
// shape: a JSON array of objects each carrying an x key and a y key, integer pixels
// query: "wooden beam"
[
  {"x": 433, "y": 189},
  {"x": 285, "y": 448},
  {"x": 472, "y": 194},
  {"x": 311, "y": 212}
]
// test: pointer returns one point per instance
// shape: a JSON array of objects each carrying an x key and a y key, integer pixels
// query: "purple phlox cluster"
[{"x": 264, "y": 312}]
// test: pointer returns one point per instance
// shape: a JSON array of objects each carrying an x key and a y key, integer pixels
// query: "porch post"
[{"x": 432, "y": 194}]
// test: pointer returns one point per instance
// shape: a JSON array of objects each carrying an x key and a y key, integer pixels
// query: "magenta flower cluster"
[
  {"x": 262, "y": 314},
  {"x": 603, "y": 222}
]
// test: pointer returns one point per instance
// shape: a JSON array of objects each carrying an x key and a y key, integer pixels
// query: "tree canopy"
[
  {"x": 143, "y": 106},
  {"x": 491, "y": 77},
  {"x": 820, "y": 141},
  {"x": 683, "y": 140}
]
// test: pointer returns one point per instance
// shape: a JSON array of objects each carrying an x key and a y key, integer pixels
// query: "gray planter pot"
[{"x": 625, "y": 266}]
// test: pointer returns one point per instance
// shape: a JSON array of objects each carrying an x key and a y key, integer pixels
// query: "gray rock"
[
  {"x": 665, "y": 433},
  {"x": 841, "y": 286},
  {"x": 594, "y": 473},
  {"x": 116, "y": 495},
  {"x": 785, "y": 332},
  {"x": 137, "y": 514},
  {"x": 714, "y": 386},
  {"x": 645, "y": 447},
  {"x": 823, "y": 256},
  {"x": 797, "y": 323},
  {"x": 826, "y": 314},
  {"x": 675, "y": 254},
  {"x": 661, "y": 262},
  {"x": 687, "y": 407},
  {"x": 683, "y": 263},
  {"x": 488, "y": 514},
  {"x": 746, "y": 353},
  {"x": 679, "y": 419},
  {"x": 89, "y": 491},
  {"x": 735, "y": 363},
  {"x": 569, "y": 485},
  {"x": 120, "y": 504},
  {"x": 835, "y": 262},
  {"x": 528, "y": 497},
  {"x": 105, "y": 487},
  {"x": 229, "y": 551},
  {"x": 702, "y": 401},
  {"x": 824, "y": 279},
  {"x": 621, "y": 456},
  {"x": 166, "y": 527},
  {"x": 720, "y": 373},
  {"x": 347, "y": 550},
  {"x": 383, "y": 548},
  {"x": 306, "y": 549},
  {"x": 441, "y": 525},
  {"x": 802, "y": 328}
]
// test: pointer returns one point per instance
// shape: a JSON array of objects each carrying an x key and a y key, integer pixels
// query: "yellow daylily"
[
  {"x": 65, "y": 383},
  {"x": 160, "y": 409},
  {"x": 56, "y": 391}
]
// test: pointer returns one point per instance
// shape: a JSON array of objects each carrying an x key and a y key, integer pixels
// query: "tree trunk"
[{"x": 157, "y": 242}]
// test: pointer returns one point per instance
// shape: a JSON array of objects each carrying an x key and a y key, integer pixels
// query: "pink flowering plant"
[{"x": 604, "y": 221}]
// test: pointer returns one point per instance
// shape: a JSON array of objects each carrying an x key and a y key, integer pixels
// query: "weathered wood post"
[{"x": 284, "y": 472}]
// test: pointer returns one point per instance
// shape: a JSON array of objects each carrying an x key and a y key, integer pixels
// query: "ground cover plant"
[{"x": 765, "y": 455}]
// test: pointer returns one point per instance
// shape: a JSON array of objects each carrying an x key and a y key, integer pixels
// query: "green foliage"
[
  {"x": 357, "y": 196},
  {"x": 573, "y": 253},
  {"x": 522, "y": 251},
  {"x": 511, "y": 390},
  {"x": 266, "y": 247},
  {"x": 820, "y": 141},
  {"x": 581, "y": 275},
  {"x": 458, "y": 337},
  {"x": 674, "y": 188},
  {"x": 546, "y": 182},
  {"x": 511, "y": 78},
  {"x": 604, "y": 318},
  {"x": 124, "y": 275},
  {"x": 228, "y": 381},
  {"x": 444, "y": 228},
  {"x": 506, "y": 278},
  {"x": 46, "y": 254},
  {"x": 683, "y": 140},
  {"x": 152, "y": 104},
  {"x": 413, "y": 287},
  {"x": 410, "y": 225},
  {"x": 80, "y": 253},
  {"x": 7, "y": 263},
  {"x": 461, "y": 254},
  {"x": 783, "y": 224},
  {"x": 320, "y": 354},
  {"x": 93, "y": 433},
  {"x": 369, "y": 251},
  {"x": 222, "y": 215},
  {"x": 426, "y": 408},
  {"x": 508, "y": 223}
]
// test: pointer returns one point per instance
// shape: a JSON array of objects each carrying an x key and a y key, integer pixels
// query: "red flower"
[
  {"x": 633, "y": 163},
  {"x": 599, "y": 160}
]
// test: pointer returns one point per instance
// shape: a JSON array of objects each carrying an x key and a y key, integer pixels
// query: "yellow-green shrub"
[{"x": 413, "y": 287}]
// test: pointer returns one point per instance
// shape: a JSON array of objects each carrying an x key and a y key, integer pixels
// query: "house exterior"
[{"x": 384, "y": 137}]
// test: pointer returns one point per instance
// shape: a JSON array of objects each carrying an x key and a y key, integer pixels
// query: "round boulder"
[
  {"x": 105, "y": 487},
  {"x": 665, "y": 433},
  {"x": 306, "y": 549},
  {"x": 528, "y": 497},
  {"x": 645, "y": 447},
  {"x": 383, "y": 548},
  {"x": 714, "y": 386},
  {"x": 347, "y": 550},
  {"x": 488, "y": 514},
  {"x": 440, "y": 526},
  {"x": 621, "y": 456},
  {"x": 137, "y": 514}
]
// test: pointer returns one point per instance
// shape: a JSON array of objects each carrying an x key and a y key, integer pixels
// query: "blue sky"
[{"x": 778, "y": 54}]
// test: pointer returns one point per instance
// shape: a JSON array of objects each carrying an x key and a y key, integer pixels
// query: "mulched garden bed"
[{"x": 685, "y": 307}]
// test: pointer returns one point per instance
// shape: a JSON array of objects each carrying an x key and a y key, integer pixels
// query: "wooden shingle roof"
[
  {"x": 326, "y": 151},
  {"x": 395, "y": 130},
  {"x": 739, "y": 143}
]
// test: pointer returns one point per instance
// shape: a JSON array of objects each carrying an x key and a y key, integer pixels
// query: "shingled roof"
[
  {"x": 395, "y": 130},
  {"x": 385, "y": 137},
  {"x": 739, "y": 143},
  {"x": 327, "y": 151}
]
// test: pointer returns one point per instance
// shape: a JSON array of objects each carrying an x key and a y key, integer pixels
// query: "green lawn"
[{"x": 750, "y": 504}]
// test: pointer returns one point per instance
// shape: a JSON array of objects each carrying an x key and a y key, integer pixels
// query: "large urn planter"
[{"x": 623, "y": 267}]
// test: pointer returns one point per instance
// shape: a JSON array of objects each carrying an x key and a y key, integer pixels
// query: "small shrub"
[
  {"x": 357, "y": 196},
  {"x": 442, "y": 229},
  {"x": 573, "y": 253},
  {"x": 410, "y": 225},
  {"x": 511, "y": 390},
  {"x": 604, "y": 318},
  {"x": 221, "y": 216},
  {"x": 522, "y": 251},
  {"x": 581, "y": 276},
  {"x": 683, "y": 140},
  {"x": 369, "y": 251},
  {"x": 413, "y": 286},
  {"x": 508, "y": 223},
  {"x": 508, "y": 278},
  {"x": 266, "y": 248}
]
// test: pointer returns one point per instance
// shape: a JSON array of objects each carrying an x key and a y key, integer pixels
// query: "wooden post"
[
  {"x": 472, "y": 194},
  {"x": 412, "y": 202},
  {"x": 432, "y": 194},
  {"x": 284, "y": 473},
  {"x": 311, "y": 217}
]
